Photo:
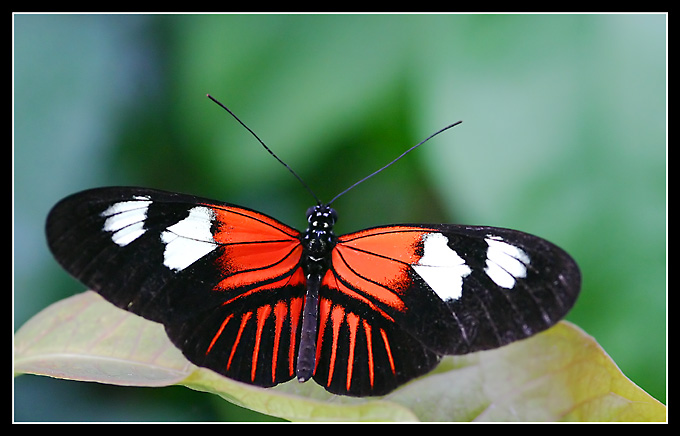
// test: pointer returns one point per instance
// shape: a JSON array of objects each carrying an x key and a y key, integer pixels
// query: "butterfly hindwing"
[
  {"x": 251, "y": 341},
  {"x": 360, "y": 353}
]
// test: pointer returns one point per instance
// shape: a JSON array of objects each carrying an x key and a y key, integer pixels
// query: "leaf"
[
  {"x": 559, "y": 375},
  {"x": 88, "y": 339}
]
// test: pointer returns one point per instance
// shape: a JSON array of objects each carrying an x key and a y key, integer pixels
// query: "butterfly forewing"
[
  {"x": 225, "y": 281},
  {"x": 458, "y": 289}
]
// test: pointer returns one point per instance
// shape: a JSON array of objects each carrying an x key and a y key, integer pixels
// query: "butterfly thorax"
[{"x": 318, "y": 240}]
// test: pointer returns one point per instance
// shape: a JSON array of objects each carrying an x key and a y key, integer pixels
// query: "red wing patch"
[
  {"x": 375, "y": 263},
  {"x": 256, "y": 248}
]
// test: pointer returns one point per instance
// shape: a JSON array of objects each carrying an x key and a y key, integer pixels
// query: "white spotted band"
[
  {"x": 191, "y": 238},
  {"x": 444, "y": 270},
  {"x": 185, "y": 242}
]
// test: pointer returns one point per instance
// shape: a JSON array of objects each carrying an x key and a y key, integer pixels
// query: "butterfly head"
[{"x": 321, "y": 217}]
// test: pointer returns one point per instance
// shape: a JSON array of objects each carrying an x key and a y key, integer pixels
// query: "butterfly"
[{"x": 260, "y": 302}]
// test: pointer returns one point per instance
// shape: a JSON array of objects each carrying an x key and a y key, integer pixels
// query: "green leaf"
[
  {"x": 88, "y": 339},
  {"x": 559, "y": 375}
]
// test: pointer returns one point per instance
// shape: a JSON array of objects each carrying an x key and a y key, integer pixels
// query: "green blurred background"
[{"x": 564, "y": 136}]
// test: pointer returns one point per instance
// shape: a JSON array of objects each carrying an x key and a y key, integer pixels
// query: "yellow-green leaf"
[{"x": 561, "y": 374}]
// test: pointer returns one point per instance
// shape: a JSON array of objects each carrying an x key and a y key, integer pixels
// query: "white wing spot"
[
  {"x": 505, "y": 263},
  {"x": 125, "y": 220},
  {"x": 441, "y": 267},
  {"x": 189, "y": 239}
]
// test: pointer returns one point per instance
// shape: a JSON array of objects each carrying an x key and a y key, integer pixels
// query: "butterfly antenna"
[
  {"x": 266, "y": 148},
  {"x": 395, "y": 160}
]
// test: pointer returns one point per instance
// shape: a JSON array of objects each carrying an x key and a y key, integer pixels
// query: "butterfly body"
[{"x": 317, "y": 241}]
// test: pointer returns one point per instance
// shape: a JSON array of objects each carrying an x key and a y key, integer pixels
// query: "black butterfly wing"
[
  {"x": 399, "y": 297},
  {"x": 225, "y": 281}
]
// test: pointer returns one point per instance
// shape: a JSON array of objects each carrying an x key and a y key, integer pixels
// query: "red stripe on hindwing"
[
  {"x": 295, "y": 310},
  {"x": 280, "y": 314},
  {"x": 352, "y": 323},
  {"x": 386, "y": 342},
  {"x": 369, "y": 349},
  {"x": 262, "y": 315},
  {"x": 337, "y": 316},
  {"x": 244, "y": 320},
  {"x": 219, "y": 332}
]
